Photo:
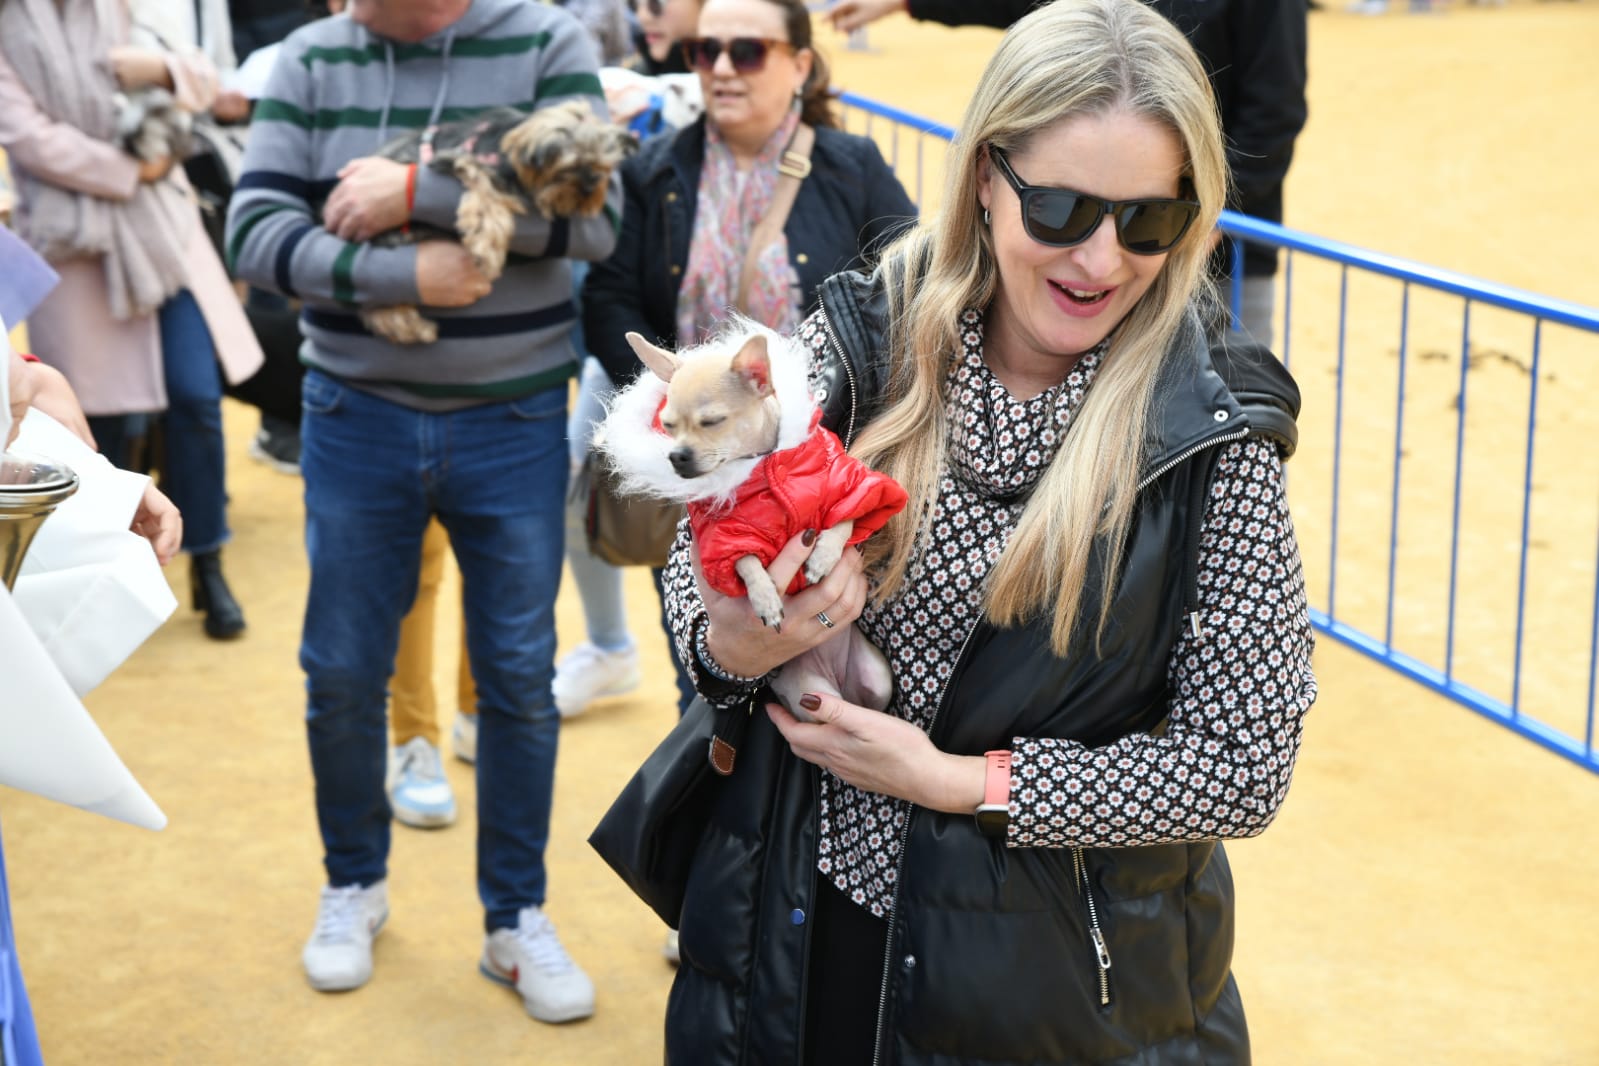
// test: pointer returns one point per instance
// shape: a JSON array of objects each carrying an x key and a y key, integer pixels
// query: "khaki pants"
[{"x": 413, "y": 708}]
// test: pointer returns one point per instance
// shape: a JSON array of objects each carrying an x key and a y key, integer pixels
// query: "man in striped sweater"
[{"x": 470, "y": 428}]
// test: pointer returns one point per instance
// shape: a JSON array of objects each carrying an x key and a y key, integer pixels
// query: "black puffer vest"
[{"x": 999, "y": 955}]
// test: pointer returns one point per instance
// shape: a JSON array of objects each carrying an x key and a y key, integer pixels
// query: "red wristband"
[
  {"x": 26, "y": 358},
  {"x": 410, "y": 196}
]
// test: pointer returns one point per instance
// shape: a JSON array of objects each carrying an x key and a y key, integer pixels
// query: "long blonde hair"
[{"x": 1069, "y": 58}]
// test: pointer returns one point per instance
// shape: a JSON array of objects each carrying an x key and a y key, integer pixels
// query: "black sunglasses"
[
  {"x": 747, "y": 54},
  {"x": 654, "y": 7},
  {"x": 1061, "y": 218}
]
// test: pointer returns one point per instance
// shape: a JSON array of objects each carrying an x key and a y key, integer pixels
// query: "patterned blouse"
[{"x": 1239, "y": 691}]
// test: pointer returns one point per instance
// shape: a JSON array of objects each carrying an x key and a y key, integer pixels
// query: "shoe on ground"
[
  {"x": 338, "y": 957},
  {"x": 277, "y": 444},
  {"x": 419, "y": 793},
  {"x": 669, "y": 949},
  {"x": 463, "y": 737},
  {"x": 531, "y": 960},
  {"x": 588, "y": 673}
]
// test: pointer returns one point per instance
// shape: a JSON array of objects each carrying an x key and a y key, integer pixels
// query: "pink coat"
[{"x": 115, "y": 367}]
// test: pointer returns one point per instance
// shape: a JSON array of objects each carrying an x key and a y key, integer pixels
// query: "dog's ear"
[
  {"x": 661, "y": 361},
  {"x": 754, "y": 365}
]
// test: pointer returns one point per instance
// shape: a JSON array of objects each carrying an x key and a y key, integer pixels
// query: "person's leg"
[
  {"x": 501, "y": 501},
  {"x": 365, "y": 514},
  {"x": 413, "y": 709},
  {"x": 112, "y": 435},
  {"x": 1255, "y": 310},
  {"x": 195, "y": 474},
  {"x": 463, "y": 735}
]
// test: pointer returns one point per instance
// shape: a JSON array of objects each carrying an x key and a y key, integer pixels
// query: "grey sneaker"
[
  {"x": 419, "y": 793},
  {"x": 338, "y": 957},
  {"x": 531, "y": 960},
  {"x": 463, "y": 737},
  {"x": 589, "y": 672}
]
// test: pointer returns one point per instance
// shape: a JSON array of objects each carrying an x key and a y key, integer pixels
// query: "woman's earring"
[{"x": 987, "y": 219}]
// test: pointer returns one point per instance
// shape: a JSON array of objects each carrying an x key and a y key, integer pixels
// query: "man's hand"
[
  {"x": 157, "y": 520},
  {"x": 139, "y": 68},
  {"x": 880, "y": 753},
  {"x": 850, "y": 15},
  {"x": 231, "y": 106},
  {"x": 447, "y": 275},
  {"x": 368, "y": 200},
  {"x": 154, "y": 170},
  {"x": 20, "y": 387}
]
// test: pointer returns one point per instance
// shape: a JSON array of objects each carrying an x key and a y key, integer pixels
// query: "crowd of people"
[{"x": 1093, "y": 605}]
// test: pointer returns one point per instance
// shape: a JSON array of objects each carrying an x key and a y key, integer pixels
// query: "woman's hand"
[
  {"x": 139, "y": 68},
  {"x": 20, "y": 387},
  {"x": 158, "y": 521},
  {"x": 153, "y": 170},
  {"x": 880, "y": 753},
  {"x": 741, "y": 643}
]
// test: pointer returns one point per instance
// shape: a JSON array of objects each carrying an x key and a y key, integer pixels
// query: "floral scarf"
[{"x": 728, "y": 209}]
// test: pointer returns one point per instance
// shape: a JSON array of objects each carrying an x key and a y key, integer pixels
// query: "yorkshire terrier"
[
  {"x": 558, "y": 160},
  {"x": 729, "y": 428}
]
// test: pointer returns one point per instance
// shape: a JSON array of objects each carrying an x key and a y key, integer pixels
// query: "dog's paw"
[
  {"x": 402, "y": 325},
  {"x": 829, "y": 549},
  {"x": 768, "y": 607}
]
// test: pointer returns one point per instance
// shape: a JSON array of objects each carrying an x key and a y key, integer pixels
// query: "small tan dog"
[{"x": 729, "y": 429}]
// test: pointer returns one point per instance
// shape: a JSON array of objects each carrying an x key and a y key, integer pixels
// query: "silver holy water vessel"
[{"x": 30, "y": 489}]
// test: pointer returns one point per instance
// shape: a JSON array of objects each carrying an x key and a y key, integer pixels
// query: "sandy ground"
[{"x": 1424, "y": 896}]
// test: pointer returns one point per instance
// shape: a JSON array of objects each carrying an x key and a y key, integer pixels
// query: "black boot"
[{"x": 224, "y": 619}]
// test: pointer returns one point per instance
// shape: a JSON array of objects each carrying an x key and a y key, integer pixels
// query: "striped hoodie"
[{"x": 337, "y": 93}]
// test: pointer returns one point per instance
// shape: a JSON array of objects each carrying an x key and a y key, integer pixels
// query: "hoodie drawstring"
[{"x": 388, "y": 87}]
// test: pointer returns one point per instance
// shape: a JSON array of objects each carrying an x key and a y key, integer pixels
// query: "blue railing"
[{"x": 1465, "y": 540}]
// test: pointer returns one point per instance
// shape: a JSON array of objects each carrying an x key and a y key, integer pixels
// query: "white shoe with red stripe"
[{"x": 531, "y": 960}]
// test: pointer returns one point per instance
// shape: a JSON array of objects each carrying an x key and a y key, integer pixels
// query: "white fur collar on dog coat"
[{"x": 637, "y": 450}]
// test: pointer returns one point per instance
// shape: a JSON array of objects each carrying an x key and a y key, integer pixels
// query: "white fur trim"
[{"x": 629, "y": 442}]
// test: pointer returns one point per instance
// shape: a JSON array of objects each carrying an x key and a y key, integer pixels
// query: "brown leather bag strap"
[{"x": 794, "y": 167}]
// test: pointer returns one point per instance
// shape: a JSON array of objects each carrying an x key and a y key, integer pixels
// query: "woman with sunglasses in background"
[
  {"x": 1093, "y": 605},
  {"x": 693, "y": 200}
]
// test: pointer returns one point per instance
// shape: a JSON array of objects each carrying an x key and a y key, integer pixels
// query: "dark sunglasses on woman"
[
  {"x": 747, "y": 54},
  {"x": 1061, "y": 218},
  {"x": 654, "y": 7}
]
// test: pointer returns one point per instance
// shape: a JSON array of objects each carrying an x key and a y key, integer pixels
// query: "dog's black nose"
[{"x": 682, "y": 460}]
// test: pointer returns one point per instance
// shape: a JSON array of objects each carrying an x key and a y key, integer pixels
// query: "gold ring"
[{"x": 821, "y": 616}]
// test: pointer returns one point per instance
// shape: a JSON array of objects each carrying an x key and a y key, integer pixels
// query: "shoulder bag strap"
[{"x": 792, "y": 169}]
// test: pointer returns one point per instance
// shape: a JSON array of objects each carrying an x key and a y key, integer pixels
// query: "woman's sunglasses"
[
  {"x": 654, "y": 7},
  {"x": 1061, "y": 218},
  {"x": 747, "y": 54}
]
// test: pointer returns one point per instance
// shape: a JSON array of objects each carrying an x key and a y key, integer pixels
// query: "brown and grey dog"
[
  {"x": 151, "y": 125},
  {"x": 556, "y": 161}
]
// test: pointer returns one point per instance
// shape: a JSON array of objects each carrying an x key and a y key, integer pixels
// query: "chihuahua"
[{"x": 730, "y": 429}]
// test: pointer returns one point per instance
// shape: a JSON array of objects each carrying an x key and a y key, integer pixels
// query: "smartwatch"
[{"x": 993, "y": 814}]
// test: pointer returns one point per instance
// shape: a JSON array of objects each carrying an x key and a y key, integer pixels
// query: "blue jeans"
[
  {"x": 196, "y": 461},
  {"x": 496, "y": 477}
]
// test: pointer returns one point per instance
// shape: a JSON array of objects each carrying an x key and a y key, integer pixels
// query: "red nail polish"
[
  {"x": 808, "y": 537},
  {"x": 810, "y": 702}
]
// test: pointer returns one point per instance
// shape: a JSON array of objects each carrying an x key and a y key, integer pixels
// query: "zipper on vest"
[
  {"x": 899, "y": 862},
  {"x": 1095, "y": 934},
  {"x": 1189, "y": 453},
  {"x": 849, "y": 372}
]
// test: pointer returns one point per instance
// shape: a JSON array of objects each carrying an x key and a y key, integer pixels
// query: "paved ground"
[{"x": 1424, "y": 897}]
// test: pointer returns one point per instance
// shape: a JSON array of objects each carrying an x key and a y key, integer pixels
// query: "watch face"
[{"x": 993, "y": 821}]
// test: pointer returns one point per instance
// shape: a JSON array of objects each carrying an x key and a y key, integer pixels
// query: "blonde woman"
[{"x": 1093, "y": 606}]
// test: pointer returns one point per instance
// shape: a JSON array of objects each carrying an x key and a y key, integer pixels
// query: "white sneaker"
[
  {"x": 463, "y": 737},
  {"x": 338, "y": 957},
  {"x": 419, "y": 793},
  {"x": 588, "y": 673},
  {"x": 530, "y": 959}
]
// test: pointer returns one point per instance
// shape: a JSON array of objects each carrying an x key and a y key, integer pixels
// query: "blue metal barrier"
[{"x": 1518, "y": 644}]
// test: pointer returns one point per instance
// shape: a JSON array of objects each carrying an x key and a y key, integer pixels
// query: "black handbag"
[
  {"x": 624, "y": 530},
  {"x": 652, "y": 830}
]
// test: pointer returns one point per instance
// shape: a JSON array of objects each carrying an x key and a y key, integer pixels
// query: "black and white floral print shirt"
[{"x": 1238, "y": 696}]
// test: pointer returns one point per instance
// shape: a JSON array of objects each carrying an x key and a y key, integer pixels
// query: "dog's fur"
[
  {"x": 728, "y": 404},
  {"x": 558, "y": 161},
  {"x": 151, "y": 125}
]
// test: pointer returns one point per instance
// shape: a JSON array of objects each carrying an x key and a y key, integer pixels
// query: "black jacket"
[
  {"x": 847, "y": 206},
  {"x": 1254, "y": 51},
  {"x": 990, "y": 956}
]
